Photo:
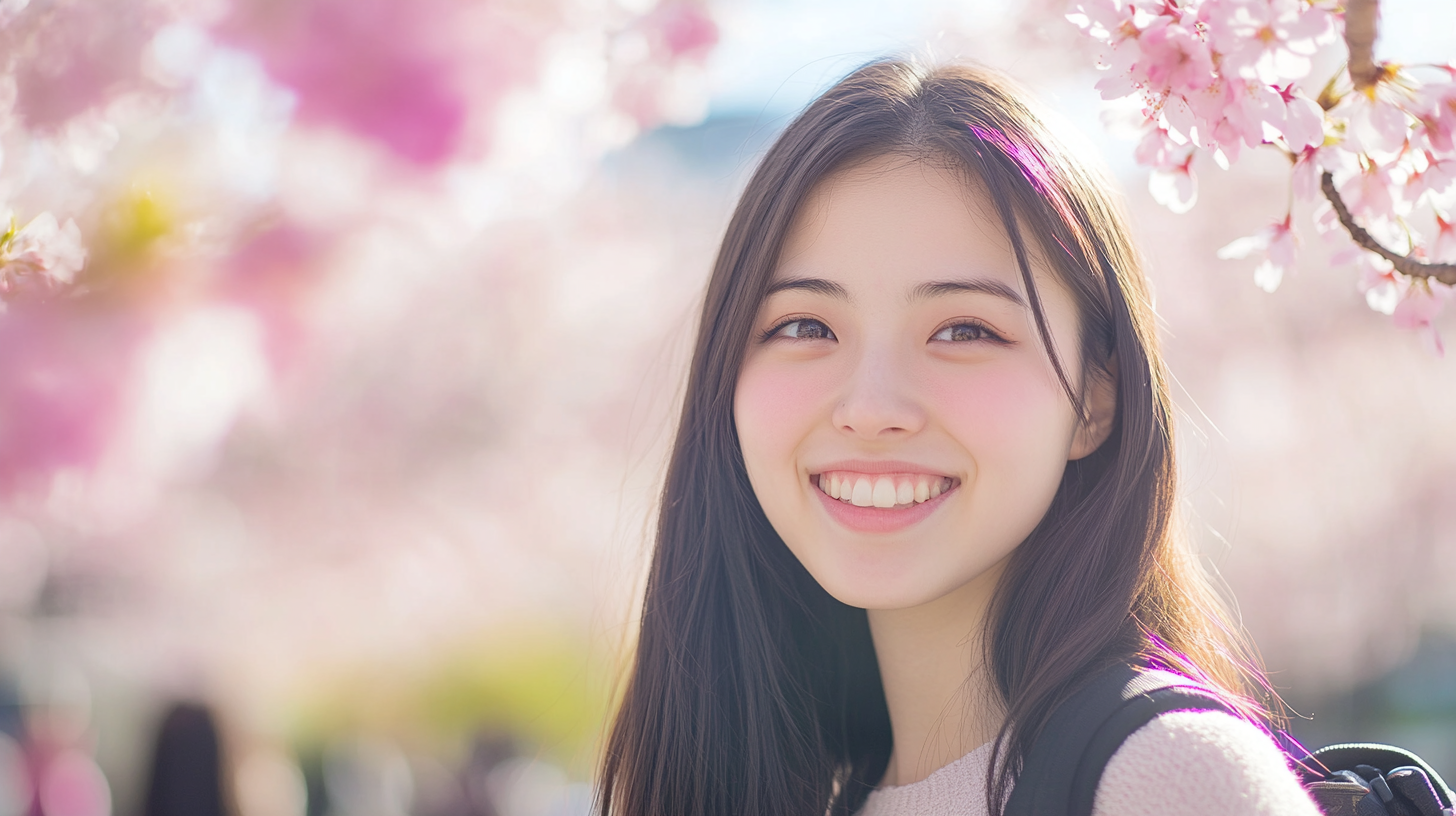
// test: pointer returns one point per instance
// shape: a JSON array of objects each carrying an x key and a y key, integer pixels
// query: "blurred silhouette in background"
[
  {"x": 467, "y": 792},
  {"x": 187, "y": 769}
]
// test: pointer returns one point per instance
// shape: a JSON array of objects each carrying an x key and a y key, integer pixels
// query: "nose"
[{"x": 879, "y": 402}]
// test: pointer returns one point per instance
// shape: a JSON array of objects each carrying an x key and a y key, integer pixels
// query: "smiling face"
[{"x": 902, "y": 425}]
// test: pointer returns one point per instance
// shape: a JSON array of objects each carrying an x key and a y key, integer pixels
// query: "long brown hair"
[{"x": 753, "y": 692}]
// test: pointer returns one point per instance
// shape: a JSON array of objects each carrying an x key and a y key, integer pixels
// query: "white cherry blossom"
[
  {"x": 43, "y": 248},
  {"x": 1277, "y": 245}
]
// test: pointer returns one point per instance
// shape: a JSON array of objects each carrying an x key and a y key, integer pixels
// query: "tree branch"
[
  {"x": 1404, "y": 264},
  {"x": 1362, "y": 19}
]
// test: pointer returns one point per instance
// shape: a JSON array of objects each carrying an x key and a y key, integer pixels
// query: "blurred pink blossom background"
[{"x": 341, "y": 343}]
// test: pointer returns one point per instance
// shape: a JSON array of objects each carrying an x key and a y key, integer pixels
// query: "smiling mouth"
[{"x": 883, "y": 490}]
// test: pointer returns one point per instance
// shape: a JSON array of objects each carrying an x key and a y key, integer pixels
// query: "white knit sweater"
[{"x": 1183, "y": 763}]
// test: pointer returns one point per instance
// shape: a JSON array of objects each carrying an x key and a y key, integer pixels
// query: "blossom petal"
[
  {"x": 1244, "y": 247},
  {"x": 1176, "y": 189},
  {"x": 1268, "y": 275},
  {"x": 1304, "y": 123}
]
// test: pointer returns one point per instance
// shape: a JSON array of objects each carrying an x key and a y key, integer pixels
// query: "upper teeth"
[{"x": 864, "y": 490}]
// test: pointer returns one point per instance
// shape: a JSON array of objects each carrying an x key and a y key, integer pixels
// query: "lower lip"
[{"x": 879, "y": 519}]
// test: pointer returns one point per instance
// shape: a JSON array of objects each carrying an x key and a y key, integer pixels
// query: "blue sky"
[{"x": 775, "y": 55}]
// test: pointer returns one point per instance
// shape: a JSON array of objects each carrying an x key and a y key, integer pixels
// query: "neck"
[{"x": 942, "y": 701}]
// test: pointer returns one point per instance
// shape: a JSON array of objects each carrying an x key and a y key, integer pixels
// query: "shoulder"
[{"x": 1192, "y": 763}]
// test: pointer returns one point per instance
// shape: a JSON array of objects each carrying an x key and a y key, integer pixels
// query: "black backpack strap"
[
  {"x": 1060, "y": 773},
  {"x": 1340, "y": 778}
]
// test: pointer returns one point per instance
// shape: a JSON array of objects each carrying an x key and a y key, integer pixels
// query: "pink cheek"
[
  {"x": 775, "y": 407},
  {"x": 999, "y": 407}
]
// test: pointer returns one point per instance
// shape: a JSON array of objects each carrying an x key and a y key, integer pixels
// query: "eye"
[
  {"x": 801, "y": 328},
  {"x": 964, "y": 331}
]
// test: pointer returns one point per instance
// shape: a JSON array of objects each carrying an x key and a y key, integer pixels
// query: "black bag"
[{"x": 1061, "y": 770}]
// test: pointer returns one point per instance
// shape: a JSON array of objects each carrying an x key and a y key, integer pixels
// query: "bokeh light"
[{"x": 339, "y": 406}]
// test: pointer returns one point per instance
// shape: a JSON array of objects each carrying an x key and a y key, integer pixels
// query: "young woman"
[{"x": 922, "y": 488}]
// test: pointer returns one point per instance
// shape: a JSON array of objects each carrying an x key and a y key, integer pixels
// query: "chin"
[
  {"x": 879, "y": 580},
  {"x": 875, "y": 598},
  {"x": 881, "y": 589}
]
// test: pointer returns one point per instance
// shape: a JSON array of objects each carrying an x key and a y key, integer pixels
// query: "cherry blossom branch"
[
  {"x": 1404, "y": 264},
  {"x": 1225, "y": 75},
  {"x": 1361, "y": 23}
]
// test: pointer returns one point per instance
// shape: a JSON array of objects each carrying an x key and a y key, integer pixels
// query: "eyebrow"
[
  {"x": 816, "y": 285},
  {"x": 987, "y": 286},
  {"x": 924, "y": 291}
]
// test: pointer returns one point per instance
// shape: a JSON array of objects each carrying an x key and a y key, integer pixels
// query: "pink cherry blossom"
[
  {"x": 69, "y": 56},
  {"x": 1378, "y": 281},
  {"x": 684, "y": 27},
  {"x": 1277, "y": 244},
  {"x": 1247, "y": 113},
  {"x": 383, "y": 69},
  {"x": 44, "y": 253},
  {"x": 1374, "y": 125},
  {"x": 1304, "y": 179},
  {"x": 1116, "y": 84},
  {"x": 1172, "y": 65},
  {"x": 1298, "y": 119},
  {"x": 1433, "y": 180},
  {"x": 1417, "y": 310},
  {"x": 60, "y": 389},
  {"x": 676, "y": 33},
  {"x": 1443, "y": 248},
  {"x": 1106, "y": 20},
  {"x": 1327, "y": 224},
  {"x": 1269, "y": 41},
  {"x": 1368, "y": 192},
  {"x": 1225, "y": 75},
  {"x": 1173, "y": 59},
  {"x": 1435, "y": 108},
  {"x": 1177, "y": 116},
  {"x": 1119, "y": 60},
  {"x": 1231, "y": 114},
  {"x": 230, "y": 218},
  {"x": 1412, "y": 304},
  {"x": 1175, "y": 187},
  {"x": 1311, "y": 162},
  {"x": 1235, "y": 115},
  {"x": 1158, "y": 149},
  {"x": 1116, "y": 24}
]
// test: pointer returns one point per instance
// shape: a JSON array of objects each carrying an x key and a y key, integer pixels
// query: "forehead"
[{"x": 900, "y": 220}]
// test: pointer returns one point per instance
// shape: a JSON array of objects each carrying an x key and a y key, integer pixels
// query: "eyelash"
[
  {"x": 789, "y": 321},
  {"x": 985, "y": 331}
]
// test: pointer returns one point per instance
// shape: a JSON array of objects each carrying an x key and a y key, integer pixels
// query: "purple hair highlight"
[
  {"x": 1042, "y": 177},
  {"x": 1036, "y": 170},
  {"x": 1160, "y": 656}
]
